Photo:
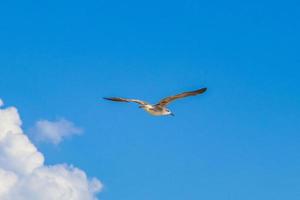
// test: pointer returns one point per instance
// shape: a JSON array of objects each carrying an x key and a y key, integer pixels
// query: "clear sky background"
[{"x": 240, "y": 140}]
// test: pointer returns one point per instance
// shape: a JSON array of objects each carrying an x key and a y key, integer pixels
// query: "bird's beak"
[{"x": 172, "y": 114}]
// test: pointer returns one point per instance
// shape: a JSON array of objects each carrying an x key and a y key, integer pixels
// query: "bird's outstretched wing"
[
  {"x": 169, "y": 99},
  {"x": 117, "y": 99}
]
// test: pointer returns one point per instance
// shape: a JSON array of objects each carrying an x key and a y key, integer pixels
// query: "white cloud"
[
  {"x": 54, "y": 131},
  {"x": 1, "y": 102},
  {"x": 23, "y": 174}
]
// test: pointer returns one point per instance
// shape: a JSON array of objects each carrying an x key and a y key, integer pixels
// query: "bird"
[{"x": 160, "y": 108}]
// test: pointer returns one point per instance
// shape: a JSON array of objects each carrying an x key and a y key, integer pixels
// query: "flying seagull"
[{"x": 160, "y": 108}]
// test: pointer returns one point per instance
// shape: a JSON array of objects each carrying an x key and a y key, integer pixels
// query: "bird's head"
[{"x": 168, "y": 112}]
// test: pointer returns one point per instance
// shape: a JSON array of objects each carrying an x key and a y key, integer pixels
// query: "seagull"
[{"x": 160, "y": 108}]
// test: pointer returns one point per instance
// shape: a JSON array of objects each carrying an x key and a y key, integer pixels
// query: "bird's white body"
[{"x": 155, "y": 110}]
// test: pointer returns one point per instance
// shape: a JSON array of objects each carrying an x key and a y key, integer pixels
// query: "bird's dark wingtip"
[
  {"x": 202, "y": 90},
  {"x": 115, "y": 99}
]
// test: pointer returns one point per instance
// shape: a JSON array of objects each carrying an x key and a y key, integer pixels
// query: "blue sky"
[{"x": 240, "y": 140}]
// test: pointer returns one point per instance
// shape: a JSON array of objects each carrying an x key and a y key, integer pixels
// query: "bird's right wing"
[
  {"x": 169, "y": 99},
  {"x": 117, "y": 99}
]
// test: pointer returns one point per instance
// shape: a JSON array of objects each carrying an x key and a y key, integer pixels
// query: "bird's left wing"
[{"x": 117, "y": 99}]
